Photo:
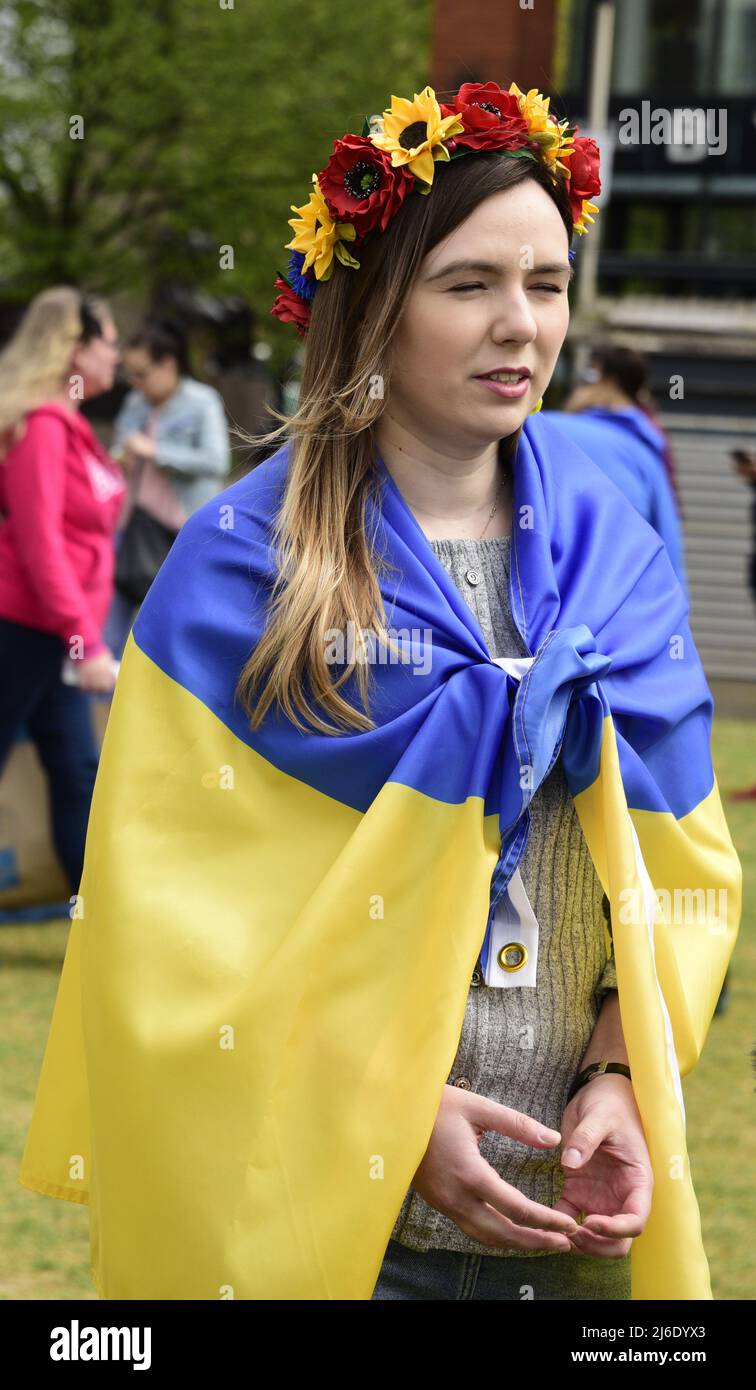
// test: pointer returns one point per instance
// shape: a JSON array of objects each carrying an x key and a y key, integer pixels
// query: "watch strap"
[{"x": 595, "y": 1069}]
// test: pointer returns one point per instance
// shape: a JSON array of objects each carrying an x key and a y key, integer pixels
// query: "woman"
[
  {"x": 61, "y": 495},
  {"x": 609, "y": 414},
  {"x": 745, "y": 467},
  {"x": 172, "y": 439},
  {"x": 245, "y": 383},
  {"x": 352, "y": 950}
]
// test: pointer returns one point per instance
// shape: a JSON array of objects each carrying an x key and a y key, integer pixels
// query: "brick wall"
[{"x": 492, "y": 41}]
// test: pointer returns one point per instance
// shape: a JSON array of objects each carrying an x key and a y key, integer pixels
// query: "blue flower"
[{"x": 303, "y": 285}]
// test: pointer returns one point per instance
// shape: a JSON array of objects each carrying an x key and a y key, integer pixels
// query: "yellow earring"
[{"x": 536, "y": 407}]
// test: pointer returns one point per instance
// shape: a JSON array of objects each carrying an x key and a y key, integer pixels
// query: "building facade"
[{"x": 677, "y": 246}]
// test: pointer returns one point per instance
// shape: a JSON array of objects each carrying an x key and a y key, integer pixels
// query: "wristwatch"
[{"x": 595, "y": 1069}]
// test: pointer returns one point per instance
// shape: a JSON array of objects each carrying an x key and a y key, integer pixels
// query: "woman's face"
[
  {"x": 96, "y": 361},
  {"x": 460, "y": 324},
  {"x": 156, "y": 379}
]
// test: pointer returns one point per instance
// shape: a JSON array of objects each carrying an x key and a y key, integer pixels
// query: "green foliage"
[{"x": 201, "y": 126}]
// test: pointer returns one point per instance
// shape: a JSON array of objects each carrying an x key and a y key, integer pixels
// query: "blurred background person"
[
  {"x": 171, "y": 438},
  {"x": 245, "y": 383},
  {"x": 609, "y": 413},
  {"x": 60, "y": 498},
  {"x": 745, "y": 467}
]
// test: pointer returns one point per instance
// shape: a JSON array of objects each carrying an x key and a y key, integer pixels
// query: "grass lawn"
[{"x": 45, "y": 1243}]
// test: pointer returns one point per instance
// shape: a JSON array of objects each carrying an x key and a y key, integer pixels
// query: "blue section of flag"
[{"x": 593, "y": 594}]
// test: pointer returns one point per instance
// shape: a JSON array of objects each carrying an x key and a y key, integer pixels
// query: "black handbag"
[{"x": 143, "y": 547}]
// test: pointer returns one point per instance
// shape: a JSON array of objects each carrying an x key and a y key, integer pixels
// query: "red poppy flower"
[
  {"x": 491, "y": 118},
  {"x": 360, "y": 185},
  {"x": 583, "y": 164},
  {"x": 289, "y": 308}
]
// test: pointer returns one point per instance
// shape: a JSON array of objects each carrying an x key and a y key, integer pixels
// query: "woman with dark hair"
[
  {"x": 61, "y": 495},
  {"x": 609, "y": 413},
  {"x": 172, "y": 439},
  {"x": 400, "y": 759},
  {"x": 745, "y": 466}
]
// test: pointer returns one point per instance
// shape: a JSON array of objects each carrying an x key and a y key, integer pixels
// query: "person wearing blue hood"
[{"x": 608, "y": 415}]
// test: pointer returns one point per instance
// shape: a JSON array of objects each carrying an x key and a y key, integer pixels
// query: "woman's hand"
[
  {"x": 455, "y": 1179},
  {"x": 139, "y": 444},
  {"x": 126, "y": 460},
  {"x": 613, "y": 1183},
  {"x": 97, "y": 674}
]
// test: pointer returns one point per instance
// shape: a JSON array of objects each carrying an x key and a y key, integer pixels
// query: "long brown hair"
[{"x": 328, "y": 568}]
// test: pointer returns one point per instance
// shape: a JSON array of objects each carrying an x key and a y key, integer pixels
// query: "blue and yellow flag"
[{"x": 267, "y": 968}]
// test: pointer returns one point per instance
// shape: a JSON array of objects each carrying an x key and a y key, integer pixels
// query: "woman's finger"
[
  {"x": 599, "y": 1234},
  {"x": 514, "y": 1206},
  {"x": 490, "y": 1115},
  {"x": 582, "y": 1142},
  {"x": 587, "y": 1243},
  {"x": 481, "y": 1222},
  {"x": 625, "y": 1223}
]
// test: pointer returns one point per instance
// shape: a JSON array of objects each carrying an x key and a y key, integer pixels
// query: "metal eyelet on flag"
[{"x": 513, "y": 956}]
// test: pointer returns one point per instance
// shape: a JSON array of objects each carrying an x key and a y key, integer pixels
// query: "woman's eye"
[{"x": 552, "y": 289}]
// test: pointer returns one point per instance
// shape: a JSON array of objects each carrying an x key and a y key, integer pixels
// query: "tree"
[{"x": 135, "y": 143}]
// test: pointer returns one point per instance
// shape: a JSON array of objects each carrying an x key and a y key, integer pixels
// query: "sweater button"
[
  {"x": 476, "y": 979},
  {"x": 472, "y": 577},
  {"x": 463, "y": 1082}
]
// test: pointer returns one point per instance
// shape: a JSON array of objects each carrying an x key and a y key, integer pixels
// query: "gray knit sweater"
[{"x": 523, "y": 1046}]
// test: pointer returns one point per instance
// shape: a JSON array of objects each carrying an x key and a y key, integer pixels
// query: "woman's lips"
[{"x": 510, "y": 390}]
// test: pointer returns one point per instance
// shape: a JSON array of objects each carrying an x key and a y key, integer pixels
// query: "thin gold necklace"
[
  {"x": 493, "y": 509},
  {"x": 491, "y": 513}
]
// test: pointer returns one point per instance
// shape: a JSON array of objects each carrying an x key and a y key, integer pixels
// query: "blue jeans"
[
  {"x": 58, "y": 719},
  {"x": 452, "y": 1274}
]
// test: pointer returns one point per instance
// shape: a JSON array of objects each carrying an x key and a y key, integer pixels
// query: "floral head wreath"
[{"x": 368, "y": 176}]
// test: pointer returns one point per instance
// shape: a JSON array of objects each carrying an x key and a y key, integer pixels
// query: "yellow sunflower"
[
  {"x": 319, "y": 236},
  {"x": 585, "y": 216},
  {"x": 534, "y": 108},
  {"x": 413, "y": 134}
]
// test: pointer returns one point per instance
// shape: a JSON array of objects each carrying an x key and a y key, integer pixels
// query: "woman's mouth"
[{"x": 509, "y": 385}]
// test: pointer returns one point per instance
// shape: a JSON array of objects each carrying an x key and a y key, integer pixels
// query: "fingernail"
[
  {"x": 549, "y": 1136},
  {"x": 571, "y": 1158}
]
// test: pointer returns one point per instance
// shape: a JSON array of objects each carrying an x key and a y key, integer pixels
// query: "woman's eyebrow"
[
  {"x": 491, "y": 268},
  {"x": 554, "y": 268}
]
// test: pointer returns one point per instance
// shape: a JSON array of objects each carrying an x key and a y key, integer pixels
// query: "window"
[
  {"x": 737, "y": 57},
  {"x": 673, "y": 49}
]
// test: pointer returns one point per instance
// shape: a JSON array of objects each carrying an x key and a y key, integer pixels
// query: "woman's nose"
[{"x": 514, "y": 321}]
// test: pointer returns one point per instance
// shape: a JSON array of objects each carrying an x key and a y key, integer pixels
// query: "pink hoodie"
[{"x": 61, "y": 495}]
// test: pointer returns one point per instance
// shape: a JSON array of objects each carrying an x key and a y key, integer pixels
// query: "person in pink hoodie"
[{"x": 61, "y": 496}]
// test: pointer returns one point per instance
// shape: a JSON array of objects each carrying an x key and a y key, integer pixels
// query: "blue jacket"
[
  {"x": 629, "y": 449},
  {"x": 191, "y": 438}
]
